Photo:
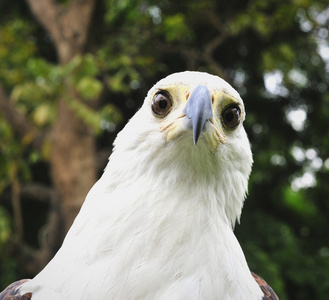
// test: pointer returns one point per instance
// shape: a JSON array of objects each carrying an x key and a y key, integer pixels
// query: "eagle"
[{"x": 159, "y": 222}]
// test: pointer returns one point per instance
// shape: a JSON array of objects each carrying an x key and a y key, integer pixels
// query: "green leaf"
[
  {"x": 89, "y": 88},
  {"x": 38, "y": 67},
  {"x": 299, "y": 203},
  {"x": 81, "y": 66},
  {"x": 86, "y": 114},
  {"x": 42, "y": 114},
  {"x": 175, "y": 28},
  {"x": 5, "y": 229},
  {"x": 111, "y": 113}
]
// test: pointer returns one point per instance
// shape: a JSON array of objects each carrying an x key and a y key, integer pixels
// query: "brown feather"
[
  {"x": 12, "y": 292},
  {"x": 268, "y": 292}
]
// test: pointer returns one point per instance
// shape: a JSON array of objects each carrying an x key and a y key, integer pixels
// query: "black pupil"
[
  {"x": 229, "y": 117},
  {"x": 163, "y": 103}
]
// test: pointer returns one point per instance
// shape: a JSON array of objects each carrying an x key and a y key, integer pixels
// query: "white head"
[{"x": 189, "y": 136}]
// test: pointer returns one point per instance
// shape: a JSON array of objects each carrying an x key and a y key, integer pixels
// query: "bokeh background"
[{"x": 72, "y": 72}]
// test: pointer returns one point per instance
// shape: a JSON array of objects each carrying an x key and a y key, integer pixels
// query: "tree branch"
[
  {"x": 208, "y": 55},
  {"x": 221, "y": 26},
  {"x": 30, "y": 192},
  {"x": 45, "y": 11},
  {"x": 50, "y": 236},
  {"x": 68, "y": 25},
  {"x": 19, "y": 122},
  {"x": 16, "y": 203},
  {"x": 37, "y": 192}
]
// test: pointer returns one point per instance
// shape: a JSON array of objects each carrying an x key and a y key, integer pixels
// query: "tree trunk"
[
  {"x": 72, "y": 158},
  {"x": 72, "y": 161},
  {"x": 73, "y": 166}
]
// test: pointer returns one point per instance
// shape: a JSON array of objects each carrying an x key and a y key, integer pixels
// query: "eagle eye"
[
  {"x": 231, "y": 116},
  {"x": 161, "y": 103}
]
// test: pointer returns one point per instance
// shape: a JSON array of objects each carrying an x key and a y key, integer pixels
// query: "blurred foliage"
[
  {"x": 14, "y": 158},
  {"x": 5, "y": 227},
  {"x": 284, "y": 227}
]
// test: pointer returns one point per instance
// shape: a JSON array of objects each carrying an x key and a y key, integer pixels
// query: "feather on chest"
[{"x": 163, "y": 247}]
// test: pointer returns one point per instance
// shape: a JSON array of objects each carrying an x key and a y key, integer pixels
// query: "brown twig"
[
  {"x": 15, "y": 198},
  {"x": 28, "y": 132}
]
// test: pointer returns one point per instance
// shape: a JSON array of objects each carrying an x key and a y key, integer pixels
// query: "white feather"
[{"x": 158, "y": 223}]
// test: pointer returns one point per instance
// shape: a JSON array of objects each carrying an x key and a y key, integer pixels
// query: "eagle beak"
[{"x": 199, "y": 110}]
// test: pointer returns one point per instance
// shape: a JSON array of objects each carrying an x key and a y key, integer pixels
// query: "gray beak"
[{"x": 199, "y": 110}]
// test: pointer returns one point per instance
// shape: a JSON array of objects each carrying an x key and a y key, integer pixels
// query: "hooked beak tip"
[{"x": 199, "y": 110}]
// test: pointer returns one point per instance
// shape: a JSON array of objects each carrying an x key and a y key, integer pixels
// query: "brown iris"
[
  {"x": 231, "y": 116},
  {"x": 161, "y": 103}
]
